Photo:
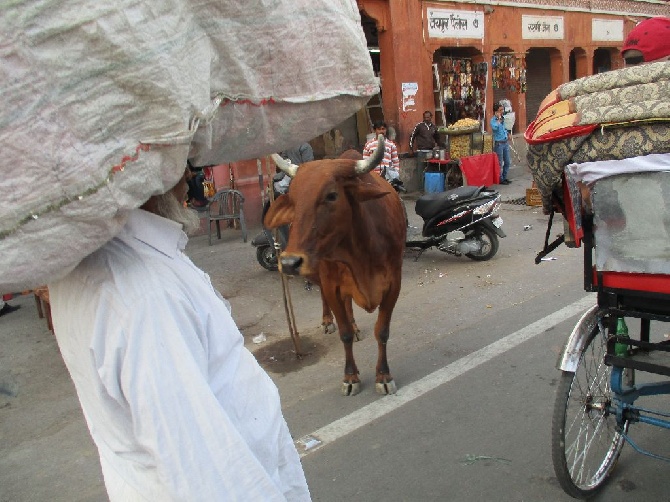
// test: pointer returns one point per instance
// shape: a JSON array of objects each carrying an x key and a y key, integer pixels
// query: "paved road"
[{"x": 473, "y": 348}]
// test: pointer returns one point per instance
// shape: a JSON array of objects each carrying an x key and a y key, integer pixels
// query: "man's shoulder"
[
  {"x": 103, "y": 276},
  {"x": 126, "y": 278},
  {"x": 115, "y": 263}
]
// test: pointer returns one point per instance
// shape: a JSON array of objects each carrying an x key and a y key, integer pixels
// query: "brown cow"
[{"x": 347, "y": 229}]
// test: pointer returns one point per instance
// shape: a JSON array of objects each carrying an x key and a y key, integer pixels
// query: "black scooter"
[
  {"x": 461, "y": 221},
  {"x": 264, "y": 242}
]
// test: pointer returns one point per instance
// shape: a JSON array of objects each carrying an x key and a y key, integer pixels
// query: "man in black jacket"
[{"x": 425, "y": 135}]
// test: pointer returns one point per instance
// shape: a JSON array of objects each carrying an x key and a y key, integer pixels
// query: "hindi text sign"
[
  {"x": 455, "y": 23},
  {"x": 542, "y": 27}
]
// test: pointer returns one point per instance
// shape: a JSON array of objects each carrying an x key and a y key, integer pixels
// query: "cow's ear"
[
  {"x": 368, "y": 191},
  {"x": 280, "y": 213}
]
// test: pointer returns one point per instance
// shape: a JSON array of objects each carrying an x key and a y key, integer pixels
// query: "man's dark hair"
[{"x": 379, "y": 123}]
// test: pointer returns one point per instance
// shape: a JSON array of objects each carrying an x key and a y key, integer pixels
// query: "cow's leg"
[
  {"x": 384, "y": 383},
  {"x": 327, "y": 317},
  {"x": 351, "y": 384},
  {"x": 350, "y": 315},
  {"x": 328, "y": 321}
]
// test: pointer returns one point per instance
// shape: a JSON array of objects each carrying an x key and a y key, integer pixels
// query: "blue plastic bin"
[{"x": 433, "y": 182}]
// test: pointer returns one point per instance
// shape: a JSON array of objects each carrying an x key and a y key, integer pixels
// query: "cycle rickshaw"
[{"x": 619, "y": 212}]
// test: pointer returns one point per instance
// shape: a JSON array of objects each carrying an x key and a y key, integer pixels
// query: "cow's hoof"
[
  {"x": 386, "y": 387},
  {"x": 351, "y": 389},
  {"x": 329, "y": 328}
]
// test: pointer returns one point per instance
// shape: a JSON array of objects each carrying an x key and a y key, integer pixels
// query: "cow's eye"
[{"x": 331, "y": 196}]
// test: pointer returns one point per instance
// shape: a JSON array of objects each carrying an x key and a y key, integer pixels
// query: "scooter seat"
[{"x": 430, "y": 204}]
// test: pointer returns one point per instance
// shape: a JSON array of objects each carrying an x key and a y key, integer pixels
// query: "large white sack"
[{"x": 103, "y": 102}]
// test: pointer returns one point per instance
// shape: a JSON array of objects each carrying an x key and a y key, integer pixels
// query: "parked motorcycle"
[
  {"x": 264, "y": 242},
  {"x": 461, "y": 221}
]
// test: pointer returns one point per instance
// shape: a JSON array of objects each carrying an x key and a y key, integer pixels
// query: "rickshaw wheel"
[{"x": 586, "y": 440}]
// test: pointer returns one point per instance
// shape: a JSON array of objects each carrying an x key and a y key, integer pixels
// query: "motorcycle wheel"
[
  {"x": 267, "y": 257},
  {"x": 489, "y": 241}
]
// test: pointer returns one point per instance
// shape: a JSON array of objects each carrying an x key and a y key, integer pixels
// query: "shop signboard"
[
  {"x": 443, "y": 23},
  {"x": 542, "y": 27},
  {"x": 607, "y": 30}
]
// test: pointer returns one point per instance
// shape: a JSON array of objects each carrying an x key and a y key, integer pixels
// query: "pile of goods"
[
  {"x": 463, "y": 126},
  {"x": 460, "y": 146},
  {"x": 610, "y": 116},
  {"x": 104, "y": 102},
  {"x": 460, "y": 138}
]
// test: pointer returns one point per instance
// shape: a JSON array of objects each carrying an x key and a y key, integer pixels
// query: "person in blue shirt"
[{"x": 500, "y": 145}]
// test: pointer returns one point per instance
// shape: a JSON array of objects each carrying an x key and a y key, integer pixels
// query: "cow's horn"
[
  {"x": 285, "y": 165},
  {"x": 367, "y": 165}
]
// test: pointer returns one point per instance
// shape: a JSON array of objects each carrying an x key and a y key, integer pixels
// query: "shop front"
[
  {"x": 461, "y": 87},
  {"x": 456, "y": 59},
  {"x": 433, "y": 55}
]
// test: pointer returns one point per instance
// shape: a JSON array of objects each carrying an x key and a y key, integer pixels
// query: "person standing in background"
[
  {"x": 389, "y": 167},
  {"x": 500, "y": 145},
  {"x": 648, "y": 42},
  {"x": 425, "y": 135},
  {"x": 424, "y": 138},
  {"x": 196, "y": 192},
  {"x": 299, "y": 154}
]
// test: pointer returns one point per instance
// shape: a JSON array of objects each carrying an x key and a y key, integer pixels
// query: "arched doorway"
[
  {"x": 353, "y": 132},
  {"x": 539, "y": 76},
  {"x": 578, "y": 64},
  {"x": 373, "y": 110},
  {"x": 602, "y": 60},
  {"x": 459, "y": 84},
  {"x": 372, "y": 38},
  {"x": 507, "y": 81}
]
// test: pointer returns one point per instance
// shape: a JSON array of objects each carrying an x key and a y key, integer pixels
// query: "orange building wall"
[
  {"x": 245, "y": 179},
  {"x": 407, "y": 56},
  {"x": 406, "y": 50}
]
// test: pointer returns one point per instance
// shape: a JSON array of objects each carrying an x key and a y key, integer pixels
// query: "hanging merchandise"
[
  {"x": 508, "y": 72},
  {"x": 208, "y": 186},
  {"x": 464, "y": 88}
]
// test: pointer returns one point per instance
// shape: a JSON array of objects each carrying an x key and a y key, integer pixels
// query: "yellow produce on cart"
[{"x": 461, "y": 138}]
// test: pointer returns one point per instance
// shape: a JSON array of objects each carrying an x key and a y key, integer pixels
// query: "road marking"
[{"x": 363, "y": 416}]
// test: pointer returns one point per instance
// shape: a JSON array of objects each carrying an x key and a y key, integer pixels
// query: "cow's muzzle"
[{"x": 291, "y": 264}]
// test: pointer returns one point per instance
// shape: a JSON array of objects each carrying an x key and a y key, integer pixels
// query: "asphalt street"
[{"x": 473, "y": 349}]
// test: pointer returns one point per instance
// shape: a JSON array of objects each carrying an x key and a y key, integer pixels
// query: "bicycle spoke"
[{"x": 586, "y": 440}]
